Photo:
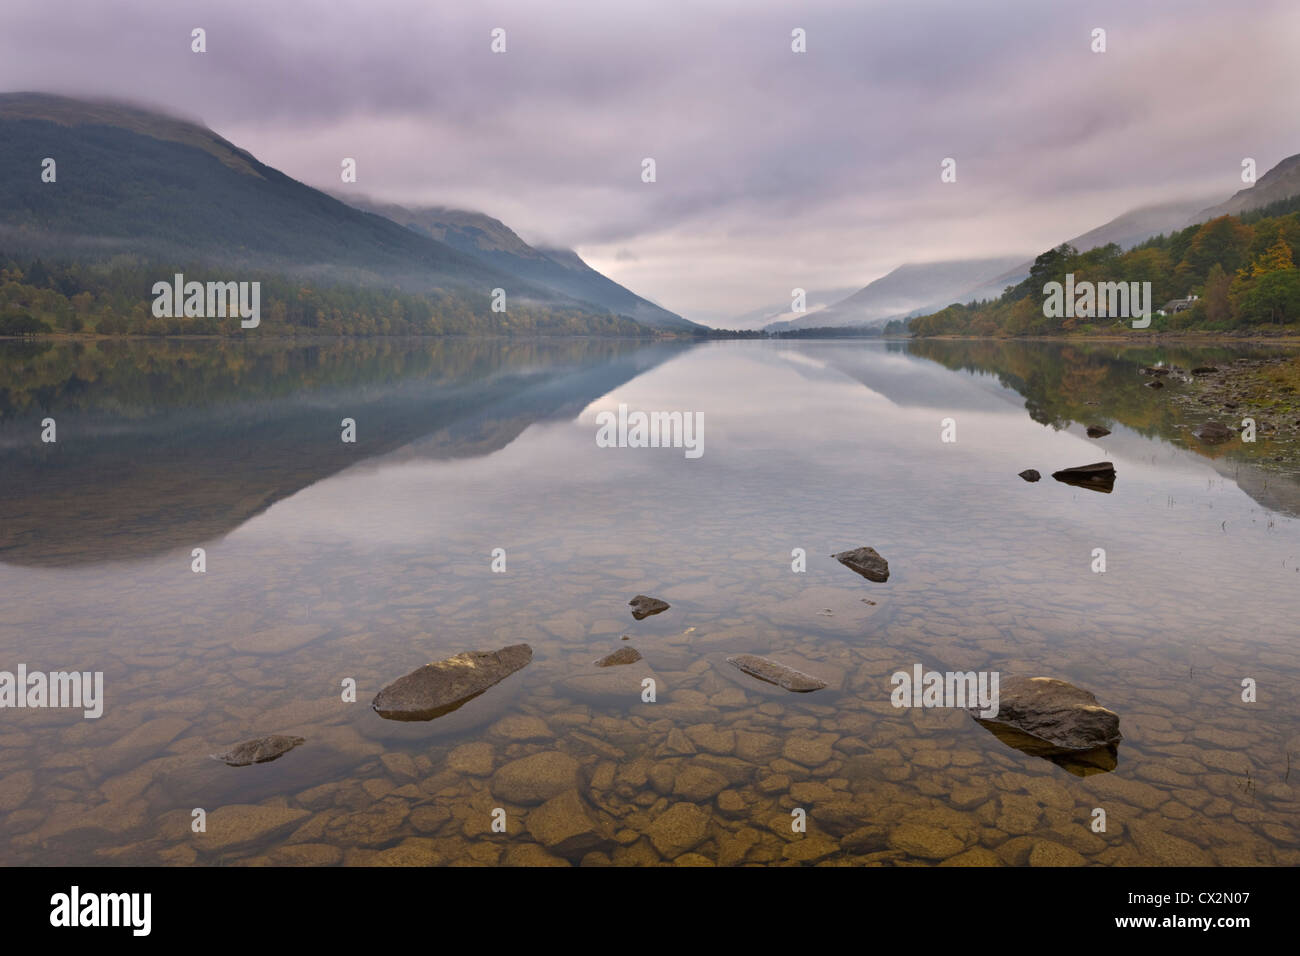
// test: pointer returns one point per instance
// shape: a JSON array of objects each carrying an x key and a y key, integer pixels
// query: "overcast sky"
[{"x": 775, "y": 169}]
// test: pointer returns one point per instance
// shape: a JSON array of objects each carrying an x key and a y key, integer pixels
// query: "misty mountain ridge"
[
  {"x": 495, "y": 244},
  {"x": 137, "y": 181},
  {"x": 1280, "y": 182},
  {"x": 871, "y": 305},
  {"x": 909, "y": 289}
]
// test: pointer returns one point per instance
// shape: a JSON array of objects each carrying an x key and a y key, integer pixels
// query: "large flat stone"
[{"x": 439, "y": 688}]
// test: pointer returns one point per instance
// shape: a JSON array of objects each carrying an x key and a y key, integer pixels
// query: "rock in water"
[
  {"x": 1097, "y": 431},
  {"x": 439, "y": 688},
  {"x": 1029, "y": 474},
  {"x": 774, "y": 672},
  {"x": 624, "y": 655},
  {"x": 1214, "y": 433},
  {"x": 1156, "y": 384},
  {"x": 260, "y": 750},
  {"x": 867, "y": 562},
  {"x": 1098, "y": 477},
  {"x": 643, "y": 607},
  {"x": 1204, "y": 370},
  {"x": 1051, "y": 718}
]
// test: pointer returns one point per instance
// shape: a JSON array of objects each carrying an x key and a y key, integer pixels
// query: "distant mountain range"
[
  {"x": 908, "y": 289},
  {"x": 922, "y": 288},
  {"x": 495, "y": 244},
  {"x": 134, "y": 180},
  {"x": 814, "y": 301}
]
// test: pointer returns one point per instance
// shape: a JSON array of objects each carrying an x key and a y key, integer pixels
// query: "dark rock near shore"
[
  {"x": 260, "y": 750},
  {"x": 1204, "y": 370},
  {"x": 643, "y": 607},
  {"x": 1155, "y": 370},
  {"x": 441, "y": 687},
  {"x": 1051, "y": 718},
  {"x": 1097, "y": 477},
  {"x": 774, "y": 672},
  {"x": 1029, "y": 474},
  {"x": 1213, "y": 433},
  {"x": 1097, "y": 431},
  {"x": 624, "y": 655},
  {"x": 1156, "y": 384},
  {"x": 866, "y": 562}
]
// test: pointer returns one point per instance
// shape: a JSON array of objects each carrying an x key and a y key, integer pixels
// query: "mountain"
[
  {"x": 814, "y": 299},
  {"x": 493, "y": 243},
  {"x": 1138, "y": 225},
  {"x": 1280, "y": 182},
  {"x": 895, "y": 295},
  {"x": 912, "y": 288},
  {"x": 1126, "y": 230},
  {"x": 133, "y": 180}
]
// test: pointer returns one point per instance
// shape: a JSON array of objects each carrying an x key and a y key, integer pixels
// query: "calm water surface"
[{"x": 329, "y": 561}]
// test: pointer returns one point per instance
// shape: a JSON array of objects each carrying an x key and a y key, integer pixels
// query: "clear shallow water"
[{"x": 328, "y": 561}]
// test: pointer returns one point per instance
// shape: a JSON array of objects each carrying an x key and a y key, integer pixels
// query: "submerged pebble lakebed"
[{"x": 329, "y": 562}]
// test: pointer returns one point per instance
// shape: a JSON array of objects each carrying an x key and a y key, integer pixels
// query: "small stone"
[
  {"x": 643, "y": 606},
  {"x": 776, "y": 783},
  {"x": 808, "y": 751},
  {"x": 259, "y": 750},
  {"x": 680, "y": 828},
  {"x": 811, "y": 791},
  {"x": 624, "y": 655},
  {"x": 474, "y": 759},
  {"x": 1029, "y": 474},
  {"x": 15, "y": 789},
  {"x": 536, "y": 778},
  {"x": 400, "y": 765},
  {"x": 1047, "y": 853},
  {"x": 237, "y": 825},
  {"x": 429, "y": 819},
  {"x": 1164, "y": 849},
  {"x": 530, "y": 854},
  {"x": 810, "y": 849},
  {"x": 866, "y": 562},
  {"x": 975, "y": 856},
  {"x": 927, "y": 842},
  {"x": 520, "y": 727},
  {"x": 731, "y": 802},
  {"x": 774, "y": 672},
  {"x": 1099, "y": 476},
  {"x": 698, "y": 783},
  {"x": 1214, "y": 433},
  {"x": 566, "y": 826}
]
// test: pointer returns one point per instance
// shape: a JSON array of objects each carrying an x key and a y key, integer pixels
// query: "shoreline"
[{"x": 1210, "y": 338}]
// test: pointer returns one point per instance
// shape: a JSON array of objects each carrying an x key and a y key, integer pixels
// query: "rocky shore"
[{"x": 1266, "y": 390}]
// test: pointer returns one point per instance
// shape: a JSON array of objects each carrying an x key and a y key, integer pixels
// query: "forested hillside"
[{"x": 1242, "y": 268}]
